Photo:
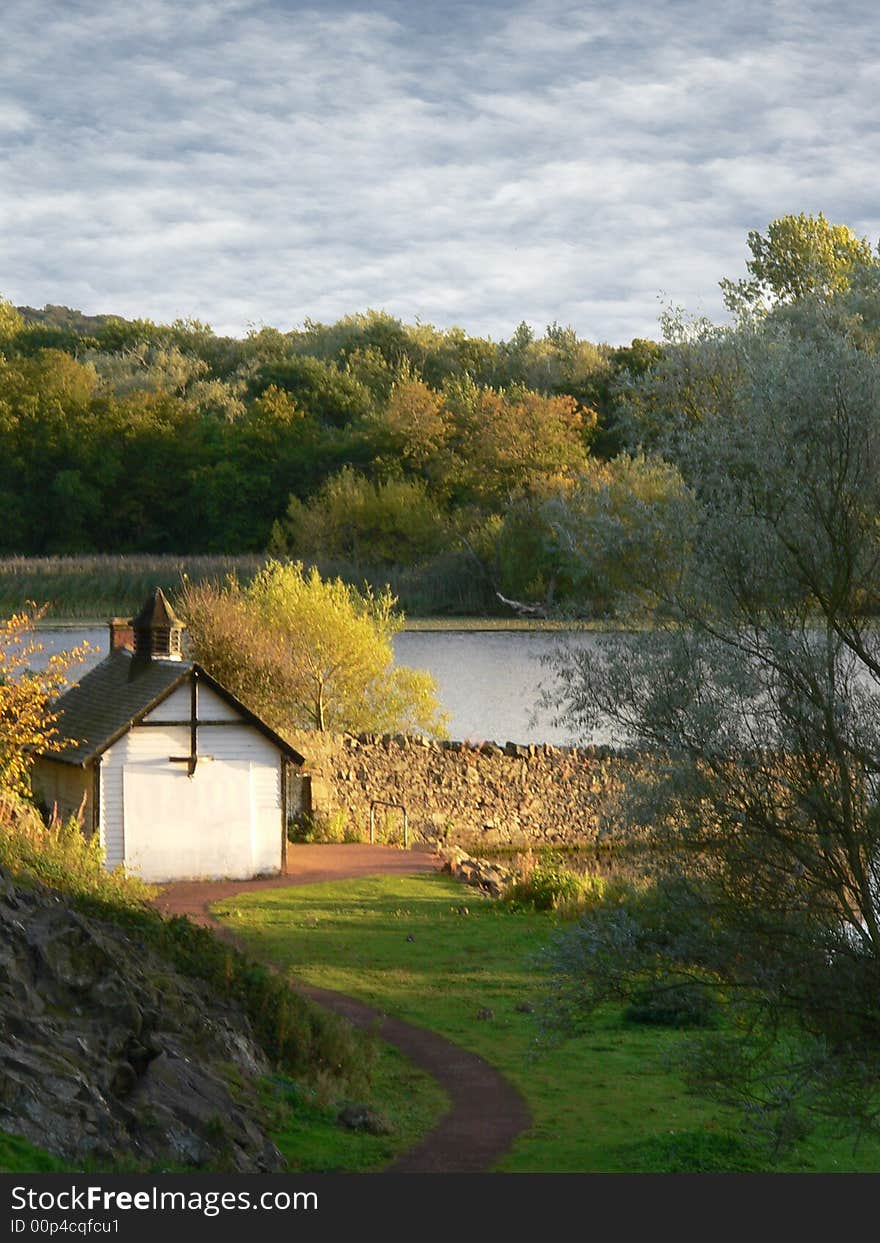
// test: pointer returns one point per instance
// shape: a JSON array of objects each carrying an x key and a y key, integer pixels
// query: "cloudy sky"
[{"x": 266, "y": 161}]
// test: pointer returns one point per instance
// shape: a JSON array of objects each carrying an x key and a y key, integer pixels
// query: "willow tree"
[
  {"x": 756, "y": 702},
  {"x": 309, "y": 653}
]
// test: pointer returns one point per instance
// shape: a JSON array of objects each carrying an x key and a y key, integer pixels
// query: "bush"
[
  {"x": 322, "y": 826},
  {"x": 395, "y": 522},
  {"x": 551, "y": 886}
]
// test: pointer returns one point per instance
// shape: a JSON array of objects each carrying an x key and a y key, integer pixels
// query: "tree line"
[
  {"x": 456, "y": 468},
  {"x": 369, "y": 443}
]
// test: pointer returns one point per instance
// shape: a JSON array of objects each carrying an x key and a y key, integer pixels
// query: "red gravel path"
[
  {"x": 306, "y": 865},
  {"x": 487, "y": 1113}
]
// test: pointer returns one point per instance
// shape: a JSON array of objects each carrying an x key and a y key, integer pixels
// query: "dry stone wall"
[{"x": 482, "y": 795}]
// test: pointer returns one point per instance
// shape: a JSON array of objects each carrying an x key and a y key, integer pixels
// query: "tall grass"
[
  {"x": 548, "y": 885},
  {"x": 61, "y": 856},
  {"x": 101, "y": 585},
  {"x": 96, "y": 586}
]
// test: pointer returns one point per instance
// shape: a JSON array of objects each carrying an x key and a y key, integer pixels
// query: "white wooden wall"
[{"x": 238, "y": 754}]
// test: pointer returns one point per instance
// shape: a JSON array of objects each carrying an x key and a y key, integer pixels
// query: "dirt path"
[{"x": 487, "y": 1113}]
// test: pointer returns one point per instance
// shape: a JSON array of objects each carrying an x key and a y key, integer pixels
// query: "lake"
[{"x": 489, "y": 680}]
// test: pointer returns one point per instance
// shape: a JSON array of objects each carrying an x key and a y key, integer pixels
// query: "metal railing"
[{"x": 379, "y": 802}]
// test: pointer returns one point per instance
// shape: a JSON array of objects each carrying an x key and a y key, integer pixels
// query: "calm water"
[{"x": 489, "y": 681}]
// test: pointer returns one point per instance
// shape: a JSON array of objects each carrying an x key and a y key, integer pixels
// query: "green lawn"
[{"x": 602, "y": 1101}]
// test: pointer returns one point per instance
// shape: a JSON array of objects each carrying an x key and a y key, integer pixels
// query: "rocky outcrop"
[{"x": 107, "y": 1053}]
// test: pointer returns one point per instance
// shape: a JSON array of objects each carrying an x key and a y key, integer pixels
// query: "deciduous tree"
[
  {"x": 309, "y": 653},
  {"x": 799, "y": 256},
  {"x": 368, "y": 524}
]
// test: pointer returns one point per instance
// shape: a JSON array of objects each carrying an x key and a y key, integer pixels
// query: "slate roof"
[{"x": 119, "y": 692}]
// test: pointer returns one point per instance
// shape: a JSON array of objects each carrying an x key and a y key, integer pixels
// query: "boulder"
[{"x": 363, "y": 1118}]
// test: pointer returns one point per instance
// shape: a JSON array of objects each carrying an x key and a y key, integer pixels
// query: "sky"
[{"x": 251, "y": 162}]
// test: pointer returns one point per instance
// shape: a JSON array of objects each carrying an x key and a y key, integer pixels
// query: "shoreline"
[{"x": 423, "y": 625}]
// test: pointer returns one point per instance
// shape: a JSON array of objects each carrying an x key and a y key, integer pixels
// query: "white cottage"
[{"x": 178, "y": 777}]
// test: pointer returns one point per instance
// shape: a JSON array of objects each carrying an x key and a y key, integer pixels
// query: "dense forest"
[
  {"x": 456, "y": 468},
  {"x": 377, "y": 447}
]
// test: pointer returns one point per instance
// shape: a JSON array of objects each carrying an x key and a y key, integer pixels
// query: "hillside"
[{"x": 65, "y": 318}]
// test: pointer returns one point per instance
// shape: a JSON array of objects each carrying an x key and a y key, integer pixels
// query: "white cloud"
[{"x": 247, "y": 161}]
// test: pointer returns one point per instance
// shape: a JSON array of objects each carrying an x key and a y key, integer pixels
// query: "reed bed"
[
  {"x": 92, "y": 586},
  {"x": 96, "y": 586}
]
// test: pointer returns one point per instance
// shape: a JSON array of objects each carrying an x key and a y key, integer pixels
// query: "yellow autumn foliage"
[{"x": 27, "y": 722}]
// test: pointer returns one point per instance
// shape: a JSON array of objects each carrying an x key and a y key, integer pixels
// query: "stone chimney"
[{"x": 121, "y": 634}]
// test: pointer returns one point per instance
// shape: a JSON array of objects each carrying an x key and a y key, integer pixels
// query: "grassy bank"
[
  {"x": 601, "y": 1101},
  {"x": 303, "y": 1122}
]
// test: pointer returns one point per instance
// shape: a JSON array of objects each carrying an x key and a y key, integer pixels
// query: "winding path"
[{"x": 487, "y": 1113}]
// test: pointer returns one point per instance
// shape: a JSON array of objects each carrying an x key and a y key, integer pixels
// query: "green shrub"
[
  {"x": 550, "y": 885},
  {"x": 376, "y": 524},
  {"x": 322, "y": 826}
]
